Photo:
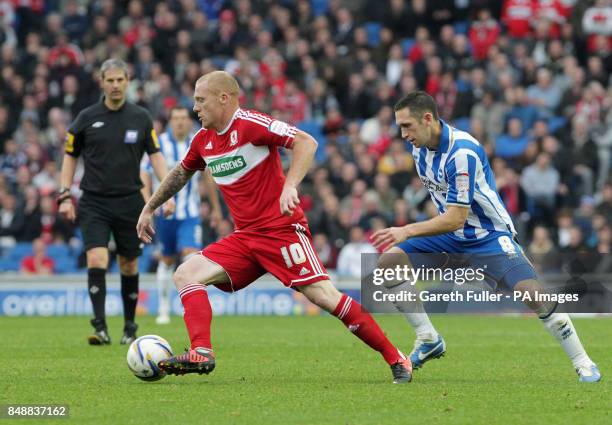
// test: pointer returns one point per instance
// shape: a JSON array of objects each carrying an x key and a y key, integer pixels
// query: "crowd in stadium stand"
[{"x": 530, "y": 79}]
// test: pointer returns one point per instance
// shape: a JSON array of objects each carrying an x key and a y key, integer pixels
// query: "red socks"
[
  {"x": 362, "y": 324},
  {"x": 198, "y": 314}
]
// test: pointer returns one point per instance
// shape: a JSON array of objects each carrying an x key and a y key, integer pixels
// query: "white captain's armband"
[{"x": 279, "y": 128}]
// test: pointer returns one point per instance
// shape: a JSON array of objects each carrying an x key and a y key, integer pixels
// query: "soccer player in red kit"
[{"x": 241, "y": 149}]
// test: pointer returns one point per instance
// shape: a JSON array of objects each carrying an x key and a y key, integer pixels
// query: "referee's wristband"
[{"x": 61, "y": 198}]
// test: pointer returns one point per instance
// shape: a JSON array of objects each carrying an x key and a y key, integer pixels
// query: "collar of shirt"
[
  {"x": 445, "y": 136},
  {"x": 107, "y": 109}
]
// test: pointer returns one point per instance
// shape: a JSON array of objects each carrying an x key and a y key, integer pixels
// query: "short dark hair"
[
  {"x": 418, "y": 102},
  {"x": 178, "y": 108}
]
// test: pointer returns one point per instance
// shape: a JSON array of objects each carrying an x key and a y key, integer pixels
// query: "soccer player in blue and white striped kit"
[
  {"x": 179, "y": 234},
  {"x": 472, "y": 219}
]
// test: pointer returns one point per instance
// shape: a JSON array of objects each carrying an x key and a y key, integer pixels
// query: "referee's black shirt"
[{"x": 112, "y": 144}]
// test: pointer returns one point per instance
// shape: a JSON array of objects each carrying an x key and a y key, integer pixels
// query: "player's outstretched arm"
[
  {"x": 174, "y": 181},
  {"x": 304, "y": 148},
  {"x": 454, "y": 218}
]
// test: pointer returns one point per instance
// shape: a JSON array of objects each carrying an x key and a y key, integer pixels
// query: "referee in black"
[{"x": 111, "y": 136}]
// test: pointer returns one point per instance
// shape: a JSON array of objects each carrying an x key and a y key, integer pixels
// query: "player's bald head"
[{"x": 218, "y": 82}]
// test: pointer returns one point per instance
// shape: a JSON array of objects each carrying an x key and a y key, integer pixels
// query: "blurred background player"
[
  {"x": 471, "y": 219},
  {"x": 179, "y": 234},
  {"x": 240, "y": 147}
]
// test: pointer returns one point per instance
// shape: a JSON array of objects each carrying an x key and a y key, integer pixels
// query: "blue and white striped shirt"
[
  {"x": 458, "y": 173},
  {"x": 188, "y": 198}
]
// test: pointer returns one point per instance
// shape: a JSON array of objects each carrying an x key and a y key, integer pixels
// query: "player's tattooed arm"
[{"x": 174, "y": 181}]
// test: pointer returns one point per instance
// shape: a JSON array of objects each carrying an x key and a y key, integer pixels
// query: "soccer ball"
[{"x": 144, "y": 354}]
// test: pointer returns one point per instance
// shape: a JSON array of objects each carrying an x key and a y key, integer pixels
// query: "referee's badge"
[{"x": 131, "y": 136}]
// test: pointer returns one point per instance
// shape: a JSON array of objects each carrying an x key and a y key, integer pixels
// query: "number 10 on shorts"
[{"x": 295, "y": 253}]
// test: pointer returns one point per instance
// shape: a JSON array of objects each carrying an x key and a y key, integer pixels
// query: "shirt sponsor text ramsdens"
[{"x": 226, "y": 166}]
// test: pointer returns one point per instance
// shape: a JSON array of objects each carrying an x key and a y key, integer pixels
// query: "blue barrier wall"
[{"x": 60, "y": 299}]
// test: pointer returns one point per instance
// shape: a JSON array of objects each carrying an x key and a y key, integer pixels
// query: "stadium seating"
[
  {"x": 319, "y": 7},
  {"x": 20, "y": 250},
  {"x": 461, "y": 27},
  {"x": 462, "y": 124},
  {"x": 315, "y": 130},
  {"x": 407, "y": 44},
  {"x": 373, "y": 30}
]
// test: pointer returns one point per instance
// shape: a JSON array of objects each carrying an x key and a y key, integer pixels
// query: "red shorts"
[{"x": 287, "y": 253}]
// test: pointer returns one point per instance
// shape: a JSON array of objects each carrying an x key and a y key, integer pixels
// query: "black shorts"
[{"x": 100, "y": 215}]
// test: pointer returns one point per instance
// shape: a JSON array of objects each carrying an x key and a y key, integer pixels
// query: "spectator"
[
  {"x": 584, "y": 153},
  {"x": 326, "y": 252},
  {"x": 387, "y": 194},
  {"x": 520, "y": 107},
  {"x": 597, "y": 20},
  {"x": 540, "y": 182},
  {"x": 516, "y": 15},
  {"x": 572, "y": 94},
  {"x": 349, "y": 259},
  {"x": 604, "y": 240},
  {"x": 12, "y": 159},
  {"x": 544, "y": 95},
  {"x": 491, "y": 113},
  {"x": 396, "y": 160},
  {"x": 344, "y": 28},
  {"x": 38, "y": 263},
  {"x": 542, "y": 250},
  {"x": 564, "y": 223},
  {"x": 11, "y": 221},
  {"x": 576, "y": 244},
  {"x": 294, "y": 100},
  {"x": 75, "y": 22},
  {"x": 357, "y": 99},
  {"x": 512, "y": 145},
  {"x": 372, "y": 128},
  {"x": 32, "y": 225},
  {"x": 483, "y": 34},
  {"x": 416, "y": 194},
  {"x": 510, "y": 190},
  {"x": 371, "y": 211},
  {"x": 355, "y": 202},
  {"x": 400, "y": 18},
  {"x": 225, "y": 40}
]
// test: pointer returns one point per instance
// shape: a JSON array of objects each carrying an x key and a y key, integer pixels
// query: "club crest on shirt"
[
  {"x": 131, "y": 136},
  {"x": 234, "y": 138}
]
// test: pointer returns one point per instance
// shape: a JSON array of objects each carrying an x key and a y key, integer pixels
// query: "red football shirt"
[
  {"x": 29, "y": 264},
  {"x": 245, "y": 163},
  {"x": 516, "y": 14}
]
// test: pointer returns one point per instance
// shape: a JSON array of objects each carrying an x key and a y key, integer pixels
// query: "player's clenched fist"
[
  {"x": 145, "y": 228},
  {"x": 289, "y": 200},
  {"x": 386, "y": 238}
]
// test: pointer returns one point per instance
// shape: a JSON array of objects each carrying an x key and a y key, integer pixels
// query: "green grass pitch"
[{"x": 310, "y": 370}]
